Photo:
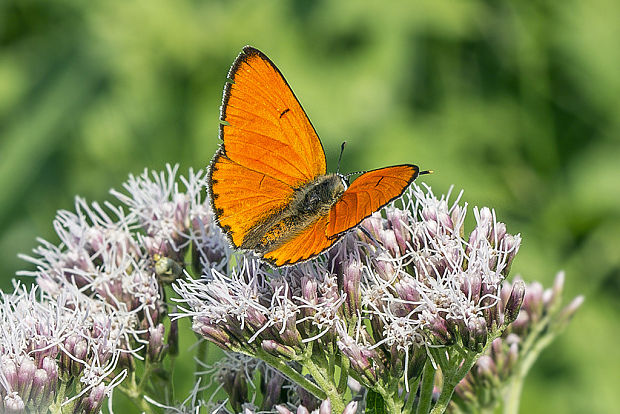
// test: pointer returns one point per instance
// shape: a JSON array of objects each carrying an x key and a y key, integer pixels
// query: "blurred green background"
[{"x": 516, "y": 102}]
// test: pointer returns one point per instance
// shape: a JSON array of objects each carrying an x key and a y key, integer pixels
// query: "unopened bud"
[
  {"x": 352, "y": 274},
  {"x": 155, "y": 346},
  {"x": 326, "y": 407},
  {"x": 93, "y": 402},
  {"x": 567, "y": 313},
  {"x": 477, "y": 328},
  {"x": 514, "y": 302},
  {"x": 351, "y": 408},
  {"x": 439, "y": 329},
  {"x": 25, "y": 375},
  {"x": 13, "y": 404},
  {"x": 282, "y": 409},
  {"x": 276, "y": 349}
]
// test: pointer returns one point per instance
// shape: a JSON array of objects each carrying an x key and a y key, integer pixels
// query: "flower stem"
[
  {"x": 426, "y": 389},
  {"x": 392, "y": 405},
  {"x": 136, "y": 397},
  {"x": 327, "y": 384},
  {"x": 413, "y": 388},
  {"x": 456, "y": 367},
  {"x": 344, "y": 374},
  {"x": 530, "y": 350},
  {"x": 452, "y": 376},
  {"x": 290, "y": 373},
  {"x": 512, "y": 395}
]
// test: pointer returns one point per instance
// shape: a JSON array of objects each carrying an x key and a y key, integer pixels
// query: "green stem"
[
  {"x": 344, "y": 373},
  {"x": 289, "y": 372},
  {"x": 136, "y": 397},
  {"x": 451, "y": 378},
  {"x": 56, "y": 407},
  {"x": 392, "y": 405},
  {"x": 327, "y": 384},
  {"x": 135, "y": 391},
  {"x": 512, "y": 395},
  {"x": 331, "y": 360},
  {"x": 426, "y": 389},
  {"x": 146, "y": 376},
  {"x": 512, "y": 390},
  {"x": 413, "y": 387},
  {"x": 454, "y": 372}
]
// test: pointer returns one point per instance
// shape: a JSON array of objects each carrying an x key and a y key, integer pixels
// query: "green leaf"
[{"x": 375, "y": 403}]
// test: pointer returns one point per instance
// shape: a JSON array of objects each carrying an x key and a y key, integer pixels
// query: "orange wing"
[
  {"x": 309, "y": 243},
  {"x": 264, "y": 126},
  {"x": 367, "y": 194},
  {"x": 241, "y": 196},
  {"x": 269, "y": 149}
]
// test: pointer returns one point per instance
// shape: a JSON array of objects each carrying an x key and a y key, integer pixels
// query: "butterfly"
[{"x": 268, "y": 184}]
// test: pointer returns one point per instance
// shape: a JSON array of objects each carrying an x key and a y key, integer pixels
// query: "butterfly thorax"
[{"x": 307, "y": 204}]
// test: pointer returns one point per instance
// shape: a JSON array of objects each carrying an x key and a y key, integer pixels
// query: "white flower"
[
  {"x": 414, "y": 277},
  {"x": 45, "y": 339}
]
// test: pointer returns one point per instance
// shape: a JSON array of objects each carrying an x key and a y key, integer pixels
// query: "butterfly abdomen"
[{"x": 309, "y": 203}]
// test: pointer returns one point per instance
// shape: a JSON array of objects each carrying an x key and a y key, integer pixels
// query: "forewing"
[
  {"x": 309, "y": 243},
  {"x": 242, "y": 197},
  {"x": 264, "y": 127},
  {"x": 367, "y": 194}
]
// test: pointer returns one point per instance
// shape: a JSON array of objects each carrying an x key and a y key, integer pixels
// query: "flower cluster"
[
  {"x": 115, "y": 260},
  {"x": 399, "y": 285},
  {"x": 498, "y": 374},
  {"x": 48, "y": 344},
  {"x": 406, "y": 296},
  {"x": 423, "y": 283}
]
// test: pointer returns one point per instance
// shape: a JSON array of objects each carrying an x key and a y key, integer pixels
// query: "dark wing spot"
[
  {"x": 283, "y": 112},
  {"x": 376, "y": 185}
]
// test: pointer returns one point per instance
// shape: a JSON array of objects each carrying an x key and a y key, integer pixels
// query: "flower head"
[
  {"x": 46, "y": 341},
  {"x": 398, "y": 284},
  {"x": 538, "y": 320}
]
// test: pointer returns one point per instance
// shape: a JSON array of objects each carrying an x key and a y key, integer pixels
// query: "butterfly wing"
[
  {"x": 270, "y": 147},
  {"x": 367, "y": 194},
  {"x": 241, "y": 196},
  {"x": 311, "y": 242}
]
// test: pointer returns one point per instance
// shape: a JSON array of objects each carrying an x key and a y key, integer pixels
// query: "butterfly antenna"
[
  {"x": 426, "y": 172},
  {"x": 340, "y": 156}
]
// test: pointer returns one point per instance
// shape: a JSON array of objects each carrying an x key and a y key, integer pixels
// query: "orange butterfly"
[{"x": 268, "y": 184}]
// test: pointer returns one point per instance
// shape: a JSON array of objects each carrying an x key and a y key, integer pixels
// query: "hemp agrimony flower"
[
  {"x": 498, "y": 375},
  {"x": 402, "y": 288},
  {"x": 57, "y": 352},
  {"x": 407, "y": 308},
  {"x": 116, "y": 262}
]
